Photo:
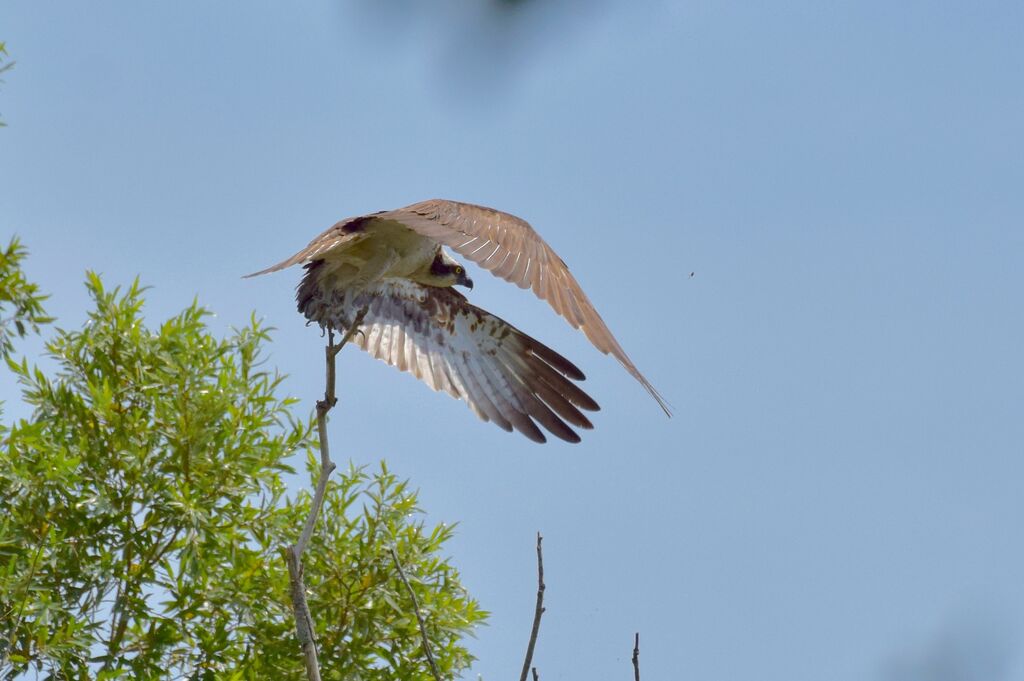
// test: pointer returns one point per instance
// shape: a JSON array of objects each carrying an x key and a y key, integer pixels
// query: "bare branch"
[
  {"x": 419, "y": 617},
  {"x": 293, "y": 554},
  {"x": 535, "y": 677},
  {"x": 537, "y": 613},
  {"x": 303, "y": 619},
  {"x": 322, "y": 407},
  {"x": 636, "y": 657}
]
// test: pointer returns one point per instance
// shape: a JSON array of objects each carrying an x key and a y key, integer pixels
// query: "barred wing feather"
[
  {"x": 505, "y": 376},
  {"x": 509, "y": 248}
]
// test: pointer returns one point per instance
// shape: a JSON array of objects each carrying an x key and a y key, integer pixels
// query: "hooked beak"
[{"x": 463, "y": 280}]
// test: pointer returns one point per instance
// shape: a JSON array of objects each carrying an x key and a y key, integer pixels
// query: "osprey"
[{"x": 388, "y": 273}]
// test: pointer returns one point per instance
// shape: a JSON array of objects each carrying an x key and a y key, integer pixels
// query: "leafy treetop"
[{"x": 143, "y": 512}]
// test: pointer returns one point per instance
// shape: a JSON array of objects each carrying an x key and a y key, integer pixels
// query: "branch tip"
[
  {"x": 537, "y": 613},
  {"x": 636, "y": 657}
]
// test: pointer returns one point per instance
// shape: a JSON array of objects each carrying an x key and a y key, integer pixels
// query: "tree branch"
[
  {"x": 28, "y": 589},
  {"x": 537, "y": 613},
  {"x": 293, "y": 554},
  {"x": 636, "y": 657},
  {"x": 303, "y": 619},
  {"x": 419, "y": 617}
]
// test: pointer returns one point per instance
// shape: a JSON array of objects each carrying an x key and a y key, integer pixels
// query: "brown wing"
[
  {"x": 433, "y": 333},
  {"x": 511, "y": 249},
  {"x": 346, "y": 231}
]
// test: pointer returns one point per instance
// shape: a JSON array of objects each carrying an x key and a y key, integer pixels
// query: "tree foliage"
[
  {"x": 21, "y": 304},
  {"x": 143, "y": 513}
]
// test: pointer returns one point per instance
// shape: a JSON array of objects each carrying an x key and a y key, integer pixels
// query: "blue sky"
[{"x": 839, "y": 493}]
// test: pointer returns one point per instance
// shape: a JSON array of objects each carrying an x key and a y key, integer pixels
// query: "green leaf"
[{"x": 143, "y": 513}]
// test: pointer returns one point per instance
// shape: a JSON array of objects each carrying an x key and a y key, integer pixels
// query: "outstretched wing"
[
  {"x": 346, "y": 231},
  {"x": 433, "y": 333},
  {"x": 511, "y": 249}
]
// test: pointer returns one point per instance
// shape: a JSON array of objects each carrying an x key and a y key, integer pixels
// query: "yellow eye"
[{"x": 459, "y": 270}]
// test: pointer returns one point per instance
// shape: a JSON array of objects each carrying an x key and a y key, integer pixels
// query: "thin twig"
[
  {"x": 419, "y": 617},
  {"x": 28, "y": 588},
  {"x": 322, "y": 407},
  {"x": 636, "y": 657},
  {"x": 535, "y": 677},
  {"x": 293, "y": 554},
  {"x": 537, "y": 613}
]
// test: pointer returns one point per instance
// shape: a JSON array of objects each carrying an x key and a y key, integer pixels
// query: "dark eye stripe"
[{"x": 438, "y": 268}]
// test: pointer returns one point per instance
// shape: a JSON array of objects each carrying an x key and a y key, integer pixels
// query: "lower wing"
[{"x": 433, "y": 333}]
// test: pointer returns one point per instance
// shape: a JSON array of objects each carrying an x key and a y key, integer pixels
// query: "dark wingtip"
[
  {"x": 528, "y": 428},
  {"x": 557, "y": 361},
  {"x": 537, "y": 436},
  {"x": 585, "y": 401},
  {"x": 567, "y": 435}
]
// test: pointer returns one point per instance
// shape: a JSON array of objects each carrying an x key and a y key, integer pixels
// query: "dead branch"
[
  {"x": 536, "y": 613},
  {"x": 636, "y": 657},
  {"x": 293, "y": 554}
]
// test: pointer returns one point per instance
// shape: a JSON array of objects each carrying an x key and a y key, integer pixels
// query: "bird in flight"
[{"x": 389, "y": 273}]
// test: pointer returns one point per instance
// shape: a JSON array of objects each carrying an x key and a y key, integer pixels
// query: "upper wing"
[
  {"x": 511, "y": 249},
  {"x": 435, "y": 334},
  {"x": 342, "y": 232}
]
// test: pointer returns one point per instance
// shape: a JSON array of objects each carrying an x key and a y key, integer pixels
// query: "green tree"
[
  {"x": 143, "y": 515},
  {"x": 21, "y": 304}
]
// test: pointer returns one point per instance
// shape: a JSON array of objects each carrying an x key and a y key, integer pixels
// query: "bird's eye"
[{"x": 459, "y": 270}]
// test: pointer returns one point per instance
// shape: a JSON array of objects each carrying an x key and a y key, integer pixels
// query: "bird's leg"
[
  {"x": 324, "y": 405},
  {"x": 350, "y": 333}
]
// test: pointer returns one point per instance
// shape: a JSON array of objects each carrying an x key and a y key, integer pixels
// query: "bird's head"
[{"x": 446, "y": 271}]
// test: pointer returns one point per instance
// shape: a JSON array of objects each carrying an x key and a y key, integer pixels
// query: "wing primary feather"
[
  {"x": 540, "y": 411},
  {"x": 514, "y": 411},
  {"x": 434, "y": 334},
  {"x": 470, "y": 229},
  {"x": 557, "y": 381},
  {"x": 553, "y": 358},
  {"x": 559, "y": 404}
]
